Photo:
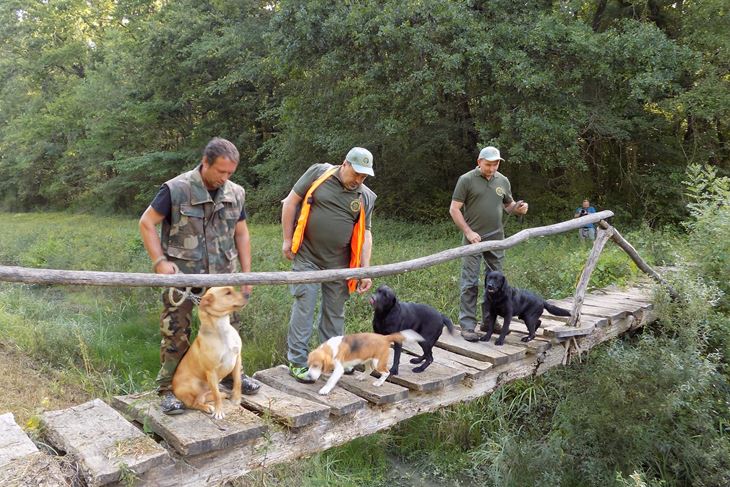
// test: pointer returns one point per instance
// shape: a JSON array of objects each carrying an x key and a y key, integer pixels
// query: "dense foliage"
[{"x": 612, "y": 99}]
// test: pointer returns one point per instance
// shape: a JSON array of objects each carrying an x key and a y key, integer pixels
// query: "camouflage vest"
[{"x": 200, "y": 235}]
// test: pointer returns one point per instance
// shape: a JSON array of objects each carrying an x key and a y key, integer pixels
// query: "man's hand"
[
  {"x": 520, "y": 208},
  {"x": 165, "y": 267},
  {"x": 473, "y": 237},
  {"x": 286, "y": 250},
  {"x": 246, "y": 289},
  {"x": 364, "y": 285}
]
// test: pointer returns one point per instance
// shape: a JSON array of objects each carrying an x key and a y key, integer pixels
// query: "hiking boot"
[
  {"x": 469, "y": 335},
  {"x": 171, "y": 405},
  {"x": 249, "y": 386},
  {"x": 483, "y": 325},
  {"x": 301, "y": 374}
]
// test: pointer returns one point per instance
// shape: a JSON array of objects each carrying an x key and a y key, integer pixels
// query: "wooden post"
[
  {"x": 602, "y": 236},
  {"x": 640, "y": 263}
]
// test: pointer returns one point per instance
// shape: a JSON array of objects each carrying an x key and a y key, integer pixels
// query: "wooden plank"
[
  {"x": 388, "y": 393},
  {"x": 591, "y": 310},
  {"x": 102, "y": 441},
  {"x": 192, "y": 432},
  {"x": 14, "y": 443},
  {"x": 435, "y": 377},
  {"x": 474, "y": 369},
  {"x": 339, "y": 400},
  {"x": 486, "y": 352},
  {"x": 291, "y": 410},
  {"x": 35, "y": 470},
  {"x": 569, "y": 331}
]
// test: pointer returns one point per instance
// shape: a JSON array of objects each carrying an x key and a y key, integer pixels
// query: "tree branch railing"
[{"x": 128, "y": 279}]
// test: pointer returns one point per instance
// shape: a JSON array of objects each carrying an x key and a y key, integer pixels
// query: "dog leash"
[{"x": 186, "y": 294}]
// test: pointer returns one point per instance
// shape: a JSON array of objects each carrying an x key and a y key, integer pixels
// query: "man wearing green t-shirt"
[
  {"x": 335, "y": 207},
  {"x": 476, "y": 207}
]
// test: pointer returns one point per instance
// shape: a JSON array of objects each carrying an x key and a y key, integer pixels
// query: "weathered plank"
[
  {"x": 193, "y": 432},
  {"x": 435, "y": 377},
  {"x": 474, "y": 368},
  {"x": 486, "y": 352},
  {"x": 103, "y": 441},
  {"x": 291, "y": 410},
  {"x": 339, "y": 400},
  {"x": 385, "y": 394},
  {"x": 569, "y": 331},
  {"x": 34, "y": 470},
  {"x": 14, "y": 443}
]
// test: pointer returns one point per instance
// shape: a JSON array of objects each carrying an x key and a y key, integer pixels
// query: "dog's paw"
[
  {"x": 485, "y": 338},
  {"x": 420, "y": 369},
  {"x": 527, "y": 338},
  {"x": 219, "y": 414},
  {"x": 500, "y": 341},
  {"x": 415, "y": 360},
  {"x": 378, "y": 383},
  {"x": 393, "y": 371},
  {"x": 236, "y": 399},
  {"x": 324, "y": 391}
]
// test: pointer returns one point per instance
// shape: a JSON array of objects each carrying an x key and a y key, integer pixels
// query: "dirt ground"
[{"x": 27, "y": 389}]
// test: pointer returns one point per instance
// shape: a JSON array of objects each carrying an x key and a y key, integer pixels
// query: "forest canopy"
[{"x": 102, "y": 101}]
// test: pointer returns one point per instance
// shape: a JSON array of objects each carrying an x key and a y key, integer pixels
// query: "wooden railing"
[{"x": 94, "y": 278}]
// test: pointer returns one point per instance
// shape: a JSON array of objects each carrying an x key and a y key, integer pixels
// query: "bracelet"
[{"x": 157, "y": 261}]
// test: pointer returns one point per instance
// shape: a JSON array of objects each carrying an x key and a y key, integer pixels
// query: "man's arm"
[
  {"x": 148, "y": 230},
  {"x": 367, "y": 247},
  {"x": 243, "y": 246},
  {"x": 288, "y": 212},
  {"x": 516, "y": 207},
  {"x": 458, "y": 217}
]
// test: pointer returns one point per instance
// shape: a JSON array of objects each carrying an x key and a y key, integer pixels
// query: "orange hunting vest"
[{"x": 358, "y": 232}]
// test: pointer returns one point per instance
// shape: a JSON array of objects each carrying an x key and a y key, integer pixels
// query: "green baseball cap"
[{"x": 361, "y": 160}]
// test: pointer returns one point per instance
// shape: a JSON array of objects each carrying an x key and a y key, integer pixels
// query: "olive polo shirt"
[
  {"x": 332, "y": 218},
  {"x": 483, "y": 201}
]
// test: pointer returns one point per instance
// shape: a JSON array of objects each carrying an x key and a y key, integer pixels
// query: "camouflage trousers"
[{"x": 175, "y": 328}]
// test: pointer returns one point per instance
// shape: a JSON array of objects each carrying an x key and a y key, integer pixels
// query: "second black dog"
[
  {"x": 392, "y": 316},
  {"x": 508, "y": 302}
]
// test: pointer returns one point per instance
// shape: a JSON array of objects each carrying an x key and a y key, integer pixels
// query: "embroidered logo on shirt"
[
  {"x": 355, "y": 206},
  {"x": 499, "y": 191}
]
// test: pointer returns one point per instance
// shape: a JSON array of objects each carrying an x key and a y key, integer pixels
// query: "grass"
[{"x": 108, "y": 338}]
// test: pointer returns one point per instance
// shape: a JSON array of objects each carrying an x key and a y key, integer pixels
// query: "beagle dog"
[
  {"x": 215, "y": 353},
  {"x": 371, "y": 349}
]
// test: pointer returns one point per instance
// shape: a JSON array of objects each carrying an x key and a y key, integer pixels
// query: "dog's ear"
[
  {"x": 207, "y": 300},
  {"x": 503, "y": 286},
  {"x": 328, "y": 364}
]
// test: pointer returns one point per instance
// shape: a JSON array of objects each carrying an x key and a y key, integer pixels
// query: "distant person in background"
[
  {"x": 204, "y": 231},
  {"x": 480, "y": 197},
  {"x": 332, "y": 231},
  {"x": 588, "y": 231}
]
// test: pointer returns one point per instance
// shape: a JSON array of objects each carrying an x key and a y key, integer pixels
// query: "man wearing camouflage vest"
[{"x": 204, "y": 231}]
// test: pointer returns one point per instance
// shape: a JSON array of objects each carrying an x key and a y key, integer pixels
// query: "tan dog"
[
  {"x": 215, "y": 353},
  {"x": 371, "y": 349}
]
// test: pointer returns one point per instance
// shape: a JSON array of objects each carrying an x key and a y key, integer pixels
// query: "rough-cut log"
[
  {"x": 629, "y": 249},
  {"x": 89, "y": 278},
  {"x": 603, "y": 235}
]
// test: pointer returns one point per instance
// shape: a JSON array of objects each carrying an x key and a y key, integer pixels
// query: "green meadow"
[{"x": 651, "y": 407}]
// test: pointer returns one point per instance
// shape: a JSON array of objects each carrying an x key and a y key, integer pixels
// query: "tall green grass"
[{"x": 558, "y": 429}]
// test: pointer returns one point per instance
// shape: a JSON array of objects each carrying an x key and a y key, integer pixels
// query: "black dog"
[
  {"x": 507, "y": 302},
  {"x": 392, "y": 316}
]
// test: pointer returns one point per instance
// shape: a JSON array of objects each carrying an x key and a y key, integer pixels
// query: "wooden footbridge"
[{"x": 287, "y": 420}]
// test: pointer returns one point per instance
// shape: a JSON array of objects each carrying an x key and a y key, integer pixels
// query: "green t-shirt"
[
  {"x": 333, "y": 215},
  {"x": 483, "y": 201}
]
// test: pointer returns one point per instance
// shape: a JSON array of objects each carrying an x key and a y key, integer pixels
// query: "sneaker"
[
  {"x": 469, "y": 335},
  {"x": 171, "y": 405},
  {"x": 249, "y": 386},
  {"x": 301, "y": 374}
]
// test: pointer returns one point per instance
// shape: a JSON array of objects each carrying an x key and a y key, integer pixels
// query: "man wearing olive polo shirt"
[
  {"x": 335, "y": 213},
  {"x": 476, "y": 207}
]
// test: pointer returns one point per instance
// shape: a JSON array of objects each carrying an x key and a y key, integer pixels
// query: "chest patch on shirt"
[
  {"x": 500, "y": 191},
  {"x": 355, "y": 205}
]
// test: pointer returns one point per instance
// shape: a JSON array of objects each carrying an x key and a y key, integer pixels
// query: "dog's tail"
[
  {"x": 556, "y": 310},
  {"x": 448, "y": 324},
  {"x": 405, "y": 336}
]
